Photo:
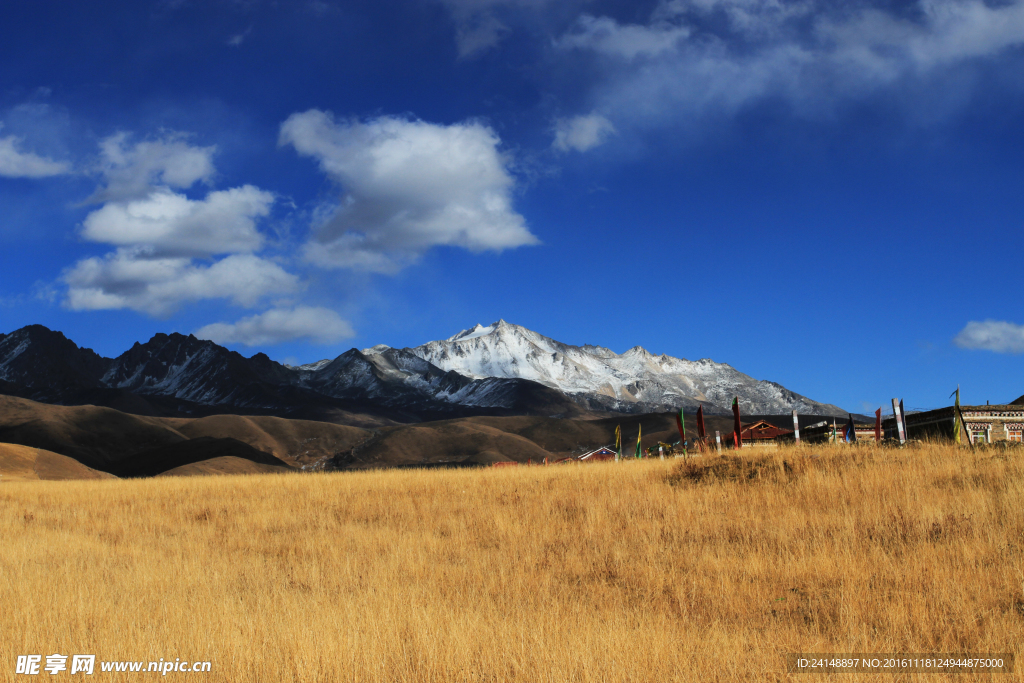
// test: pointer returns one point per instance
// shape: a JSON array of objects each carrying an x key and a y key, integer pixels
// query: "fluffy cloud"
[
  {"x": 15, "y": 163},
  {"x": 319, "y": 325},
  {"x": 160, "y": 233},
  {"x": 132, "y": 171},
  {"x": 992, "y": 335},
  {"x": 138, "y": 280},
  {"x": 407, "y": 186},
  {"x": 223, "y": 222},
  {"x": 581, "y": 132}
]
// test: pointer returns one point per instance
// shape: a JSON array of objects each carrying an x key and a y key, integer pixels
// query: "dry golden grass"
[{"x": 639, "y": 571}]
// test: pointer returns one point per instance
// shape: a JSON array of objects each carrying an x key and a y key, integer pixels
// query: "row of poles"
[{"x": 737, "y": 434}]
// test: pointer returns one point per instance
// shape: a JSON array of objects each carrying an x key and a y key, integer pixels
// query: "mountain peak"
[
  {"x": 374, "y": 350},
  {"x": 635, "y": 381},
  {"x": 478, "y": 330}
]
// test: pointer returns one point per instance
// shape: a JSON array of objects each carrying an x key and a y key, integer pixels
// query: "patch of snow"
[{"x": 373, "y": 350}]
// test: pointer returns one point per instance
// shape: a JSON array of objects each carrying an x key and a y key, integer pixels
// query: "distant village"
[{"x": 964, "y": 424}]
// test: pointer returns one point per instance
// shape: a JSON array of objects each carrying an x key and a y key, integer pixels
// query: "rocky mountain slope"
[
  {"x": 501, "y": 369},
  {"x": 600, "y": 379}
]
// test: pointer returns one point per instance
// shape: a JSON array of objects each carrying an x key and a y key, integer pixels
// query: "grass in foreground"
[{"x": 702, "y": 570}]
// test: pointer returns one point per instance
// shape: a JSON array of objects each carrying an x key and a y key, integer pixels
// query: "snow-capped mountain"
[
  {"x": 634, "y": 381},
  {"x": 180, "y": 374},
  {"x": 501, "y": 369}
]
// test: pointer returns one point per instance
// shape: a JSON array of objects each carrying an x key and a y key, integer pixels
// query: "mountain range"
[{"x": 500, "y": 369}]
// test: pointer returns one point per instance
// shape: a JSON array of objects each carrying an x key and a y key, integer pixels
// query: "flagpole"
[
  {"x": 680, "y": 421},
  {"x": 899, "y": 421}
]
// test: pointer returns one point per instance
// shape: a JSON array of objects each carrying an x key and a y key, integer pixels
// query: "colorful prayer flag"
[
  {"x": 682, "y": 429},
  {"x": 639, "y": 431},
  {"x": 737, "y": 437},
  {"x": 878, "y": 426},
  {"x": 618, "y": 443},
  {"x": 956, "y": 416},
  {"x": 903, "y": 416},
  {"x": 701, "y": 432}
]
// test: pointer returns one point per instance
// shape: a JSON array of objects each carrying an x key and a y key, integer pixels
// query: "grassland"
[{"x": 707, "y": 570}]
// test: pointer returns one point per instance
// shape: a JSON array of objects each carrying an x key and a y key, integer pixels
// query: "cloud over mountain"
[
  {"x": 136, "y": 279},
  {"x": 406, "y": 186},
  {"x": 316, "y": 324},
  {"x": 168, "y": 244}
]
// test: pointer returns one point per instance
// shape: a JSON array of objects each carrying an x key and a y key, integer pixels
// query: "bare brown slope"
[
  {"x": 165, "y": 458},
  {"x": 23, "y": 463},
  {"x": 227, "y": 464},
  {"x": 297, "y": 442},
  {"x": 96, "y": 437},
  {"x": 449, "y": 442},
  {"x": 566, "y": 437}
]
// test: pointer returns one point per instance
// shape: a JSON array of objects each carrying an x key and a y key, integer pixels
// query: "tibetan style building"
[{"x": 985, "y": 424}]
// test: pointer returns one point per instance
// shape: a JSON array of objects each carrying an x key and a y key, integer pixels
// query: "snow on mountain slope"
[
  {"x": 499, "y": 368},
  {"x": 634, "y": 381}
]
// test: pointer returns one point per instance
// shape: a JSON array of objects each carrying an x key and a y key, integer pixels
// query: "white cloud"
[
  {"x": 605, "y": 35},
  {"x": 160, "y": 232},
  {"x": 318, "y": 325},
  {"x": 696, "y": 60},
  {"x": 15, "y": 163},
  {"x": 407, "y": 186},
  {"x": 947, "y": 31},
  {"x": 131, "y": 172},
  {"x": 992, "y": 335},
  {"x": 223, "y": 222},
  {"x": 138, "y": 280},
  {"x": 581, "y": 132}
]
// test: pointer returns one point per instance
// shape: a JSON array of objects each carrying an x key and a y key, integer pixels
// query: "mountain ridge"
[
  {"x": 600, "y": 379},
  {"x": 499, "y": 369}
]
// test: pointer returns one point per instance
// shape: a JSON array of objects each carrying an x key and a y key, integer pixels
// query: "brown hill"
[
  {"x": 132, "y": 445},
  {"x": 297, "y": 442},
  {"x": 227, "y": 464},
  {"x": 448, "y": 442},
  {"x": 115, "y": 442},
  {"x": 165, "y": 458},
  {"x": 482, "y": 440},
  {"x": 22, "y": 463},
  {"x": 96, "y": 437}
]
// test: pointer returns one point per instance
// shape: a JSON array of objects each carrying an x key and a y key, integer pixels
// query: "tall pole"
[
  {"x": 737, "y": 434},
  {"x": 796, "y": 427},
  {"x": 899, "y": 421}
]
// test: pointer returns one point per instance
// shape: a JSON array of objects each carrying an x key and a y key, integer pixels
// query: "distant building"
[
  {"x": 985, "y": 424},
  {"x": 827, "y": 431},
  {"x": 762, "y": 431},
  {"x": 598, "y": 455}
]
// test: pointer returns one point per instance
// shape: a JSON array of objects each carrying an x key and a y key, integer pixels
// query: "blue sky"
[{"x": 827, "y": 195}]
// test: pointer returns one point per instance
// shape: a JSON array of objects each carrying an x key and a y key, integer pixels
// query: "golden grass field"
[{"x": 636, "y": 571}]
